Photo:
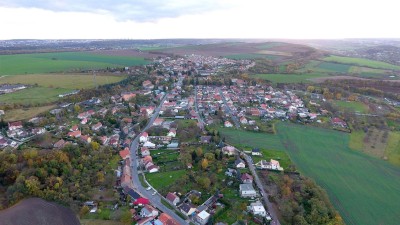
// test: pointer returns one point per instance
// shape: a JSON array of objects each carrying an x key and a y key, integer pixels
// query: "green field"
[
  {"x": 364, "y": 189},
  {"x": 22, "y": 114},
  {"x": 352, "y": 106},
  {"x": 35, "y": 95},
  {"x": 362, "y": 62},
  {"x": 163, "y": 179},
  {"x": 71, "y": 81},
  {"x": 62, "y": 62},
  {"x": 333, "y": 67},
  {"x": 251, "y": 56},
  {"x": 392, "y": 151},
  {"x": 288, "y": 78}
]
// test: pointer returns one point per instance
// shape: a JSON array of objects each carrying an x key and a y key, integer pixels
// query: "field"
[
  {"x": 333, "y": 67},
  {"x": 163, "y": 179},
  {"x": 368, "y": 72},
  {"x": 288, "y": 78},
  {"x": 357, "y": 140},
  {"x": 34, "y": 95},
  {"x": 62, "y": 62},
  {"x": 392, "y": 151},
  {"x": 364, "y": 189},
  {"x": 22, "y": 114},
  {"x": 352, "y": 106},
  {"x": 251, "y": 56},
  {"x": 362, "y": 62},
  {"x": 99, "y": 222},
  {"x": 71, "y": 81},
  {"x": 50, "y": 86}
]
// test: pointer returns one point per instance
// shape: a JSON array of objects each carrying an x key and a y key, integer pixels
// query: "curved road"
[{"x": 137, "y": 185}]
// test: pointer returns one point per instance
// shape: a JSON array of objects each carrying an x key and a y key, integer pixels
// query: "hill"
[{"x": 36, "y": 211}]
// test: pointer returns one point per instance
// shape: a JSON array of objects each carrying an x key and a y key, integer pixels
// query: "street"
[
  {"x": 228, "y": 109},
  {"x": 154, "y": 199}
]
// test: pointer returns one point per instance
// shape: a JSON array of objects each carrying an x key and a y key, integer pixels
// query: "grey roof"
[{"x": 246, "y": 187}]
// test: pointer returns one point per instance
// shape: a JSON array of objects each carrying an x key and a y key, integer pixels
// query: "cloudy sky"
[{"x": 153, "y": 19}]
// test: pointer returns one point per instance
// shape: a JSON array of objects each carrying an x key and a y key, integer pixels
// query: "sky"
[{"x": 161, "y": 19}]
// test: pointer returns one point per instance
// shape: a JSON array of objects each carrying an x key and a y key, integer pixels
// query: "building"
[
  {"x": 14, "y": 125},
  {"x": 228, "y": 124},
  {"x": 246, "y": 178},
  {"x": 148, "y": 211},
  {"x": 187, "y": 209},
  {"x": 167, "y": 219},
  {"x": 229, "y": 150},
  {"x": 247, "y": 191},
  {"x": 257, "y": 208},
  {"x": 143, "y": 137},
  {"x": 255, "y": 151},
  {"x": 202, "y": 217},
  {"x": 172, "y": 198},
  {"x": 239, "y": 163}
]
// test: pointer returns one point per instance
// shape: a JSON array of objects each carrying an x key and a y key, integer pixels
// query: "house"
[
  {"x": 158, "y": 122},
  {"x": 172, "y": 198},
  {"x": 255, "y": 151},
  {"x": 228, "y": 124},
  {"x": 147, "y": 85},
  {"x": 247, "y": 191},
  {"x": 272, "y": 165},
  {"x": 75, "y": 134},
  {"x": 239, "y": 163},
  {"x": 84, "y": 121},
  {"x": 205, "y": 139},
  {"x": 86, "y": 139},
  {"x": 243, "y": 120},
  {"x": 74, "y": 128},
  {"x": 145, "y": 221},
  {"x": 172, "y": 132},
  {"x": 97, "y": 126},
  {"x": 124, "y": 153},
  {"x": 148, "y": 211},
  {"x": 202, "y": 217},
  {"x": 257, "y": 208},
  {"x": 167, "y": 219},
  {"x": 144, "y": 151},
  {"x": 60, "y": 144},
  {"x": 246, "y": 178},
  {"x": 14, "y": 125},
  {"x": 126, "y": 96},
  {"x": 149, "y": 144},
  {"x": 338, "y": 122},
  {"x": 143, "y": 137},
  {"x": 187, "y": 209},
  {"x": 153, "y": 169},
  {"x": 229, "y": 150}
]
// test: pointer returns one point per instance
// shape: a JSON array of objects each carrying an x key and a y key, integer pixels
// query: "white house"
[
  {"x": 143, "y": 137},
  {"x": 239, "y": 163},
  {"x": 172, "y": 132},
  {"x": 255, "y": 151},
  {"x": 153, "y": 169},
  {"x": 257, "y": 209},
  {"x": 144, "y": 151},
  {"x": 247, "y": 190},
  {"x": 272, "y": 165},
  {"x": 228, "y": 124},
  {"x": 149, "y": 144},
  {"x": 172, "y": 198},
  {"x": 202, "y": 217},
  {"x": 148, "y": 211},
  {"x": 229, "y": 150}
]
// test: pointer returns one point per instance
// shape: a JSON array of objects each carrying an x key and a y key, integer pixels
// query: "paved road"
[
  {"x": 228, "y": 109},
  {"x": 260, "y": 186},
  {"x": 201, "y": 121},
  {"x": 137, "y": 185}
]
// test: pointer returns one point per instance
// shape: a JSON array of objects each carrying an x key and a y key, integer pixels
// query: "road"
[
  {"x": 137, "y": 185},
  {"x": 228, "y": 109},
  {"x": 253, "y": 171},
  {"x": 201, "y": 121}
]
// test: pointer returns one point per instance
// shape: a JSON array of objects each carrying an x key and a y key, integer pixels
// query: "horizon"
[{"x": 207, "y": 19}]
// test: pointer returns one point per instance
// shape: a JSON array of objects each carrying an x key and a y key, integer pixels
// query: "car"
[
  {"x": 154, "y": 193},
  {"x": 148, "y": 189}
]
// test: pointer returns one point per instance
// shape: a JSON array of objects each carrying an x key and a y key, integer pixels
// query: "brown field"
[
  {"x": 375, "y": 142},
  {"x": 22, "y": 114},
  {"x": 34, "y": 211},
  {"x": 127, "y": 52},
  {"x": 267, "y": 52}
]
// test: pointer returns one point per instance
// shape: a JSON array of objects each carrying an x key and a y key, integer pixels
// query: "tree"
[
  {"x": 199, "y": 152},
  {"x": 100, "y": 177},
  {"x": 126, "y": 218},
  {"x": 311, "y": 89},
  {"x": 209, "y": 156},
  {"x": 204, "y": 164},
  {"x": 77, "y": 108},
  {"x": 32, "y": 184},
  {"x": 94, "y": 145},
  {"x": 84, "y": 210}
]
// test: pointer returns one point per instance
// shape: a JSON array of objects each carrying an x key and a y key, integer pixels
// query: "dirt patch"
[
  {"x": 375, "y": 142},
  {"x": 36, "y": 211}
]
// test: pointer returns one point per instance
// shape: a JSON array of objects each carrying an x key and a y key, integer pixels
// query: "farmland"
[
  {"x": 361, "y": 62},
  {"x": 22, "y": 114},
  {"x": 62, "y": 62},
  {"x": 35, "y": 95},
  {"x": 352, "y": 106},
  {"x": 288, "y": 78},
  {"x": 346, "y": 174},
  {"x": 333, "y": 67}
]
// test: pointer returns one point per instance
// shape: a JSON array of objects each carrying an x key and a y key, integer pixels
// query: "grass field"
[
  {"x": 34, "y": 95},
  {"x": 368, "y": 72},
  {"x": 251, "y": 56},
  {"x": 356, "y": 140},
  {"x": 363, "y": 189},
  {"x": 362, "y": 62},
  {"x": 352, "y": 106},
  {"x": 163, "y": 179},
  {"x": 22, "y": 114},
  {"x": 71, "y": 81},
  {"x": 288, "y": 78},
  {"x": 333, "y": 67},
  {"x": 62, "y": 62},
  {"x": 392, "y": 151}
]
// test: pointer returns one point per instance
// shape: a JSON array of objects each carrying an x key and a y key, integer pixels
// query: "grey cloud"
[{"x": 136, "y": 10}]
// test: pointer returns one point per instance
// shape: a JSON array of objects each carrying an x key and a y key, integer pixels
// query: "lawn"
[
  {"x": 288, "y": 78},
  {"x": 62, "y": 62},
  {"x": 22, "y": 114},
  {"x": 364, "y": 189},
  {"x": 164, "y": 179},
  {"x": 71, "y": 81},
  {"x": 34, "y": 95},
  {"x": 362, "y": 62},
  {"x": 392, "y": 151},
  {"x": 352, "y": 106}
]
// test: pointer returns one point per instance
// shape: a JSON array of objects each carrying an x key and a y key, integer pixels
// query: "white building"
[
  {"x": 257, "y": 209},
  {"x": 202, "y": 217},
  {"x": 247, "y": 191}
]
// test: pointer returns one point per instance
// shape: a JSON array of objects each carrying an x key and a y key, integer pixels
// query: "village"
[{"x": 166, "y": 127}]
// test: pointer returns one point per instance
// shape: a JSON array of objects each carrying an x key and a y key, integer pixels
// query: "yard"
[
  {"x": 164, "y": 179},
  {"x": 352, "y": 106},
  {"x": 363, "y": 189}
]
